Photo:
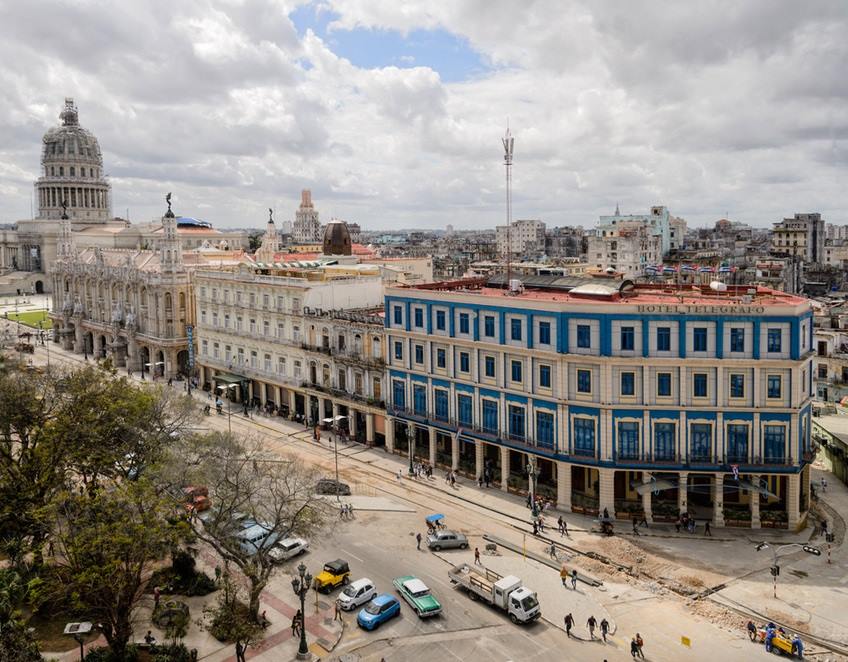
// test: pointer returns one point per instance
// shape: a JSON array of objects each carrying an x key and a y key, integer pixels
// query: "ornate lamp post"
[
  {"x": 410, "y": 438},
  {"x": 301, "y": 584}
]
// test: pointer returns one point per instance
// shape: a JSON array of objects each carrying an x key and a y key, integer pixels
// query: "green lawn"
[{"x": 32, "y": 318}]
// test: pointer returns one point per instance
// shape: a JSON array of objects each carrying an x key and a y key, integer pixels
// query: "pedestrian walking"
[
  {"x": 823, "y": 484},
  {"x": 477, "y": 560},
  {"x": 563, "y": 575},
  {"x": 552, "y": 552},
  {"x": 240, "y": 649},
  {"x": 569, "y": 623},
  {"x": 565, "y": 528},
  {"x": 535, "y": 528},
  {"x": 338, "y": 615},
  {"x": 418, "y": 540},
  {"x": 677, "y": 523},
  {"x": 639, "y": 644},
  {"x": 752, "y": 631},
  {"x": 574, "y": 579},
  {"x": 635, "y": 527},
  {"x": 453, "y": 479},
  {"x": 559, "y": 525},
  {"x": 591, "y": 623},
  {"x": 217, "y": 575},
  {"x": 604, "y": 629},
  {"x": 399, "y": 475},
  {"x": 149, "y": 638},
  {"x": 541, "y": 524},
  {"x": 634, "y": 647},
  {"x": 156, "y": 595},
  {"x": 707, "y": 530},
  {"x": 644, "y": 521}
]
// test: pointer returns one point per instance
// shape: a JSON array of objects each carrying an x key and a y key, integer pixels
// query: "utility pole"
[{"x": 508, "y": 142}]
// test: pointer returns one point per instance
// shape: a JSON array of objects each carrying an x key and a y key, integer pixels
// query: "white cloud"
[{"x": 719, "y": 107}]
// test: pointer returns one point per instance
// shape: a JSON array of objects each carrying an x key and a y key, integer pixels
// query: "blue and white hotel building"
[{"x": 702, "y": 393}]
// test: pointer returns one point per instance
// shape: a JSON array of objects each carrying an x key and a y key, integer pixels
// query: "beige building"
[
  {"x": 293, "y": 339},
  {"x": 801, "y": 237},
  {"x": 626, "y": 247},
  {"x": 522, "y": 237}
]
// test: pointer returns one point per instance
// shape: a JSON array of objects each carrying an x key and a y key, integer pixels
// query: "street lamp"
[
  {"x": 301, "y": 584},
  {"x": 775, "y": 552},
  {"x": 532, "y": 475},
  {"x": 223, "y": 388},
  {"x": 78, "y": 631}
]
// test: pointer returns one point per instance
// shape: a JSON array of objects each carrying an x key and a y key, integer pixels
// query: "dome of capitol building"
[{"x": 72, "y": 172}]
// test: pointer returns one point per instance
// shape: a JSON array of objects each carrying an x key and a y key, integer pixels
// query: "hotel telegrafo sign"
[{"x": 700, "y": 309}]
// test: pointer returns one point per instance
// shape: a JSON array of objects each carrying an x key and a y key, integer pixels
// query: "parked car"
[
  {"x": 288, "y": 548},
  {"x": 255, "y": 536},
  {"x": 446, "y": 539},
  {"x": 357, "y": 593},
  {"x": 334, "y": 487},
  {"x": 382, "y": 608},
  {"x": 416, "y": 593},
  {"x": 335, "y": 573}
]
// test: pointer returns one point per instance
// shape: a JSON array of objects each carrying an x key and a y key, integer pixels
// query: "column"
[
  {"x": 793, "y": 497},
  {"x": 335, "y": 409},
  {"x": 321, "y": 413},
  {"x": 682, "y": 488},
  {"x": 278, "y": 396},
  {"x": 755, "y": 503},
  {"x": 431, "y": 435},
  {"x": 479, "y": 450},
  {"x": 718, "y": 500},
  {"x": 292, "y": 402},
  {"x": 646, "y": 498},
  {"x": 563, "y": 485},
  {"x": 606, "y": 491},
  {"x": 369, "y": 429},
  {"x": 351, "y": 419},
  {"x": 504, "y": 468},
  {"x": 390, "y": 434},
  {"x": 78, "y": 338},
  {"x": 455, "y": 452}
]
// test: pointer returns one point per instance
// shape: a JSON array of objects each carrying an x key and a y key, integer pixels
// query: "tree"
[
  {"x": 16, "y": 642},
  {"x": 257, "y": 499},
  {"x": 65, "y": 428},
  {"x": 109, "y": 541}
]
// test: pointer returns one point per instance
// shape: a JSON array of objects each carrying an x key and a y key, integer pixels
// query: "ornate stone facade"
[{"x": 130, "y": 305}]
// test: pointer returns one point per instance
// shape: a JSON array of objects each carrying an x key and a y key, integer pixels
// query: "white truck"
[{"x": 506, "y": 593}]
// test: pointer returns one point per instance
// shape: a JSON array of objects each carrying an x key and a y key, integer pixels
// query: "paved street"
[{"x": 380, "y": 544}]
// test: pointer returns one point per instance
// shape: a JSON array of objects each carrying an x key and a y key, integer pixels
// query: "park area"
[{"x": 32, "y": 318}]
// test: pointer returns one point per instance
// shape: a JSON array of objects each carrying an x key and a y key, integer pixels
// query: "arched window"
[{"x": 169, "y": 304}]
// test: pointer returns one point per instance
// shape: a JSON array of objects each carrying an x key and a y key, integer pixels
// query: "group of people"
[
  {"x": 346, "y": 511},
  {"x": 686, "y": 522},
  {"x": 772, "y": 631},
  {"x": 604, "y": 627}
]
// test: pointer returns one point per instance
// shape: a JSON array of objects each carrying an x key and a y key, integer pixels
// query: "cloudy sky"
[{"x": 392, "y": 112}]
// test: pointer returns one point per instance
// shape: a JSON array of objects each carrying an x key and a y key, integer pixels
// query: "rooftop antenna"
[{"x": 508, "y": 142}]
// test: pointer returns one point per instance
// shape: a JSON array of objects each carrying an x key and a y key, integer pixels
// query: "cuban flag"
[
  {"x": 651, "y": 270},
  {"x": 669, "y": 270},
  {"x": 725, "y": 269},
  {"x": 688, "y": 267},
  {"x": 706, "y": 270}
]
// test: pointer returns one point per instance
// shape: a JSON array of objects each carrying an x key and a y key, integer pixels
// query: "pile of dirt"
[{"x": 717, "y": 614}]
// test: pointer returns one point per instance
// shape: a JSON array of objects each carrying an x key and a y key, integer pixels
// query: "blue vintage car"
[{"x": 379, "y": 610}]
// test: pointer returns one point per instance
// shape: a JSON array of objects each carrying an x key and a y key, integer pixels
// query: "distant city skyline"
[{"x": 393, "y": 118}]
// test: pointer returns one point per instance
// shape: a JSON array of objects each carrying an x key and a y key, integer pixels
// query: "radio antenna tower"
[{"x": 508, "y": 142}]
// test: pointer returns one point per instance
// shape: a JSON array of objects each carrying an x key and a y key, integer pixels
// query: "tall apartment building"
[
  {"x": 626, "y": 246},
  {"x": 801, "y": 237},
  {"x": 705, "y": 396},
  {"x": 294, "y": 339},
  {"x": 670, "y": 229},
  {"x": 307, "y": 227},
  {"x": 523, "y": 237}
]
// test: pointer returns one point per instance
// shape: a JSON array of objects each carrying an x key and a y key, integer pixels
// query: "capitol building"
[{"x": 72, "y": 182}]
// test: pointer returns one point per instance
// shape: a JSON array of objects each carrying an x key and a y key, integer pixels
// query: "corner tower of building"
[{"x": 72, "y": 172}]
